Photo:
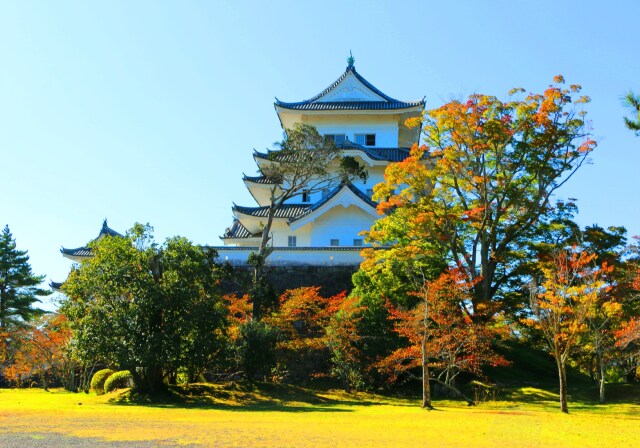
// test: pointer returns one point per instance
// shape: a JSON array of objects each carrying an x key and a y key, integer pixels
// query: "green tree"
[
  {"x": 632, "y": 102},
  {"x": 147, "y": 308},
  {"x": 304, "y": 162},
  {"x": 481, "y": 187},
  {"x": 19, "y": 289}
]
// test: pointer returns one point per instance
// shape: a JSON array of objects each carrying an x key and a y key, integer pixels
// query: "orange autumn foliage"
[
  {"x": 455, "y": 343},
  {"x": 40, "y": 350},
  {"x": 480, "y": 188}
]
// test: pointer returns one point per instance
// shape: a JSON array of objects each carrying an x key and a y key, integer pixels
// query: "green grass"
[{"x": 263, "y": 415}]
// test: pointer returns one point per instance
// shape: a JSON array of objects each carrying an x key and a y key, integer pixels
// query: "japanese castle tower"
[
  {"x": 324, "y": 228},
  {"x": 319, "y": 229}
]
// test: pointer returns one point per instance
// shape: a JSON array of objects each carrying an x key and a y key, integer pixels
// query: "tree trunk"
[
  {"x": 258, "y": 266},
  {"x": 600, "y": 374},
  {"x": 562, "y": 375},
  {"x": 426, "y": 387},
  {"x": 150, "y": 381}
]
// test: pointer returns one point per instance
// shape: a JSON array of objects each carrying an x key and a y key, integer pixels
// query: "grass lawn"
[{"x": 276, "y": 416}]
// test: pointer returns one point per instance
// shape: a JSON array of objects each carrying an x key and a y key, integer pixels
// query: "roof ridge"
[{"x": 359, "y": 77}]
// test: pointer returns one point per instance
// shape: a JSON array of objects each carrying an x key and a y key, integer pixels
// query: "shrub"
[
  {"x": 118, "y": 380},
  {"x": 257, "y": 348},
  {"x": 98, "y": 380}
]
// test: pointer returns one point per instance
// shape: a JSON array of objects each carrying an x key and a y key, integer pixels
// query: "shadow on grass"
[{"x": 244, "y": 397}]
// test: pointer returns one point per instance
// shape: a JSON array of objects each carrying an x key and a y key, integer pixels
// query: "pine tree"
[
  {"x": 19, "y": 289},
  {"x": 632, "y": 102}
]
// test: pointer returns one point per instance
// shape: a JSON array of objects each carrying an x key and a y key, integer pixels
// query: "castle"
[{"x": 323, "y": 228}]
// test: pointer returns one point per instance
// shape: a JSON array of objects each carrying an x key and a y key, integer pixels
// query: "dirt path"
[{"x": 40, "y": 440}]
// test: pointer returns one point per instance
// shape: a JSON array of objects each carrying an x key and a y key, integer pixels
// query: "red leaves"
[
  {"x": 587, "y": 146},
  {"x": 454, "y": 340},
  {"x": 630, "y": 333},
  {"x": 37, "y": 349}
]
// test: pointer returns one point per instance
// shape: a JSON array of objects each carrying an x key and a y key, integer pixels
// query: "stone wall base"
[{"x": 331, "y": 279}]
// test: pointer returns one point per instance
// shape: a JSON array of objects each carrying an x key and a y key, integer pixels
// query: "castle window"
[
  {"x": 357, "y": 242},
  {"x": 305, "y": 196},
  {"x": 325, "y": 192},
  {"x": 338, "y": 139},
  {"x": 335, "y": 242},
  {"x": 370, "y": 192},
  {"x": 292, "y": 241},
  {"x": 366, "y": 139}
]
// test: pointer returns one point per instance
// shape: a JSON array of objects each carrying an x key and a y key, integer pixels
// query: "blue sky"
[{"x": 149, "y": 110}]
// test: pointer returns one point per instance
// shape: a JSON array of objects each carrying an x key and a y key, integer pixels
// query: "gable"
[
  {"x": 350, "y": 89},
  {"x": 344, "y": 197}
]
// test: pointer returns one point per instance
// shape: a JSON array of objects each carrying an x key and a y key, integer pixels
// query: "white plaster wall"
[
  {"x": 386, "y": 127},
  {"x": 281, "y": 232},
  {"x": 342, "y": 223},
  {"x": 386, "y": 134},
  {"x": 283, "y": 257},
  {"x": 376, "y": 175}
]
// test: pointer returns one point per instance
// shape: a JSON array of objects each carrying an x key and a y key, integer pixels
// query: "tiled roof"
[
  {"x": 314, "y": 103},
  {"x": 386, "y": 154},
  {"x": 285, "y": 210},
  {"x": 391, "y": 154},
  {"x": 259, "y": 180},
  {"x": 55, "y": 285},
  {"x": 78, "y": 252},
  {"x": 350, "y": 105},
  {"x": 237, "y": 230},
  {"x": 105, "y": 230},
  {"x": 273, "y": 155},
  {"x": 86, "y": 251},
  {"x": 333, "y": 193}
]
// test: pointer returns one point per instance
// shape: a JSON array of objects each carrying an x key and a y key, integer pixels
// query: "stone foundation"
[{"x": 331, "y": 279}]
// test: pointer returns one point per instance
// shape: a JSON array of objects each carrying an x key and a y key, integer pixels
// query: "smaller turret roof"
[
  {"x": 106, "y": 230},
  {"x": 85, "y": 251},
  {"x": 77, "y": 252}
]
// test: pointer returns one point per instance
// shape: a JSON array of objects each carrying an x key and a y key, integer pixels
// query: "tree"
[
  {"x": 41, "y": 351},
  {"x": 632, "y": 102},
  {"x": 440, "y": 336},
  {"x": 480, "y": 188},
  {"x": 314, "y": 332},
  {"x": 344, "y": 341},
  {"x": 149, "y": 309},
  {"x": 19, "y": 289},
  {"x": 627, "y": 336},
  {"x": 562, "y": 305},
  {"x": 607, "y": 245},
  {"x": 304, "y": 161}
]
